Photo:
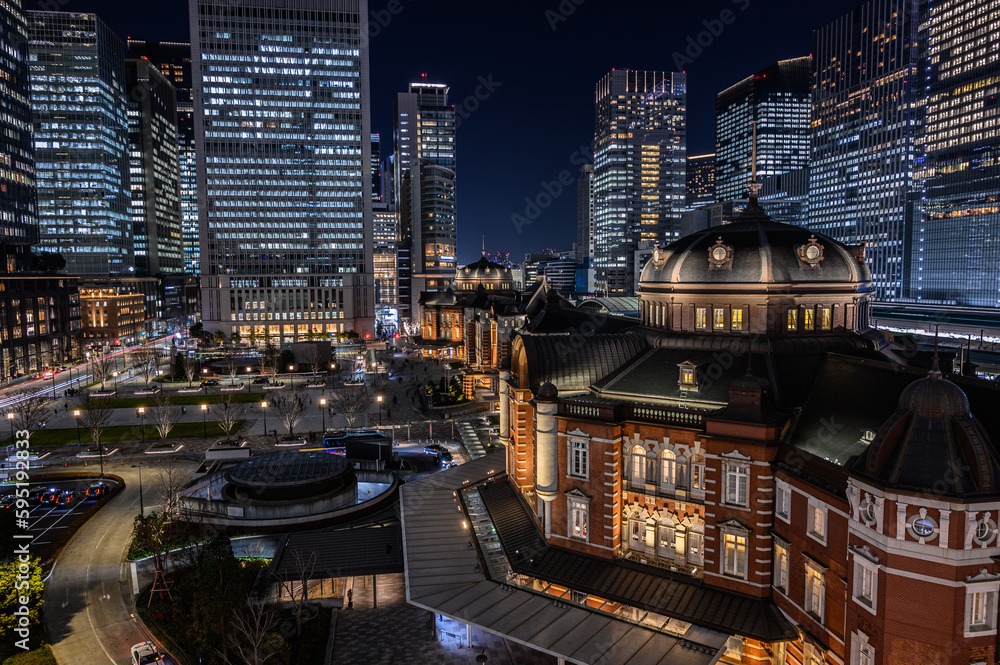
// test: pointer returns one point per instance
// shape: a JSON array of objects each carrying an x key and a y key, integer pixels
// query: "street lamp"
[
  {"x": 142, "y": 509},
  {"x": 10, "y": 418},
  {"x": 333, "y": 366},
  {"x": 291, "y": 377},
  {"x": 204, "y": 419},
  {"x": 141, "y": 412},
  {"x": 76, "y": 414},
  {"x": 115, "y": 375},
  {"x": 263, "y": 408},
  {"x": 249, "y": 369},
  {"x": 379, "y": 399},
  {"x": 322, "y": 405}
]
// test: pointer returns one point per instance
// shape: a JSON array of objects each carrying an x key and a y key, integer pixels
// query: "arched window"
[
  {"x": 637, "y": 532},
  {"x": 668, "y": 469},
  {"x": 697, "y": 471},
  {"x": 665, "y": 534},
  {"x": 696, "y": 544},
  {"x": 637, "y": 464}
]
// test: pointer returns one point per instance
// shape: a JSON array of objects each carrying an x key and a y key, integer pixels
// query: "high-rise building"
[
  {"x": 283, "y": 134},
  {"x": 956, "y": 242},
  {"x": 585, "y": 212},
  {"x": 778, "y": 99},
  {"x": 81, "y": 142},
  {"x": 424, "y": 183},
  {"x": 376, "y": 168},
  {"x": 385, "y": 233},
  {"x": 154, "y": 169},
  {"x": 863, "y": 135},
  {"x": 700, "y": 181},
  {"x": 173, "y": 59},
  {"x": 639, "y": 168},
  {"x": 785, "y": 197}
]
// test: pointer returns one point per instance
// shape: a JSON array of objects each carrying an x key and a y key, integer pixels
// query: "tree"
[
  {"x": 197, "y": 330},
  {"x": 101, "y": 368},
  {"x": 152, "y": 534},
  {"x": 146, "y": 361},
  {"x": 296, "y": 583},
  {"x": 164, "y": 415},
  {"x": 221, "y": 591},
  {"x": 251, "y": 640},
  {"x": 289, "y": 407},
  {"x": 235, "y": 338},
  {"x": 233, "y": 364},
  {"x": 352, "y": 401},
  {"x": 178, "y": 370},
  {"x": 28, "y": 407},
  {"x": 219, "y": 337},
  {"x": 13, "y": 586},
  {"x": 285, "y": 360},
  {"x": 95, "y": 417},
  {"x": 269, "y": 359},
  {"x": 252, "y": 337},
  {"x": 170, "y": 481},
  {"x": 190, "y": 368},
  {"x": 313, "y": 359},
  {"x": 228, "y": 412}
]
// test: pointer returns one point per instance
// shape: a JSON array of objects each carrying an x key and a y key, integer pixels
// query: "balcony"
[{"x": 676, "y": 493}]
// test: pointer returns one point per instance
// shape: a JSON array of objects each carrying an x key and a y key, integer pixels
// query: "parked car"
[
  {"x": 35, "y": 495},
  {"x": 8, "y": 501},
  {"x": 262, "y": 379},
  {"x": 50, "y": 495},
  {"x": 145, "y": 652},
  {"x": 434, "y": 449},
  {"x": 210, "y": 382},
  {"x": 66, "y": 498},
  {"x": 97, "y": 490}
]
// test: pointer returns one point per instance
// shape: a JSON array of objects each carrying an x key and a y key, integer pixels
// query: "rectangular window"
[
  {"x": 781, "y": 567},
  {"x": 977, "y": 610},
  {"x": 687, "y": 376},
  {"x": 783, "y": 501},
  {"x": 737, "y": 476},
  {"x": 734, "y": 555},
  {"x": 698, "y": 477},
  {"x": 793, "y": 319},
  {"x": 862, "y": 653},
  {"x": 579, "y": 452},
  {"x": 578, "y": 510},
  {"x": 817, "y": 520},
  {"x": 814, "y": 590},
  {"x": 696, "y": 547},
  {"x": 701, "y": 318},
  {"x": 981, "y": 609},
  {"x": 807, "y": 319},
  {"x": 736, "y": 319},
  {"x": 825, "y": 318},
  {"x": 719, "y": 318}
]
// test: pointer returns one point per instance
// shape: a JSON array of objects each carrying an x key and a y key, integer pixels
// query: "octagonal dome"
[
  {"x": 756, "y": 249},
  {"x": 493, "y": 276}
]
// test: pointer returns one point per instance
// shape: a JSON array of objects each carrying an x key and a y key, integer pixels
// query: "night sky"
[{"x": 538, "y": 108}]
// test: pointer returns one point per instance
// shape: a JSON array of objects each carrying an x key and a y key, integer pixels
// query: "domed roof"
[
  {"x": 934, "y": 397},
  {"x": 547, "y": 392},
  {"x": 756, "y": 249},
  {"x": 484, "y": 270}
]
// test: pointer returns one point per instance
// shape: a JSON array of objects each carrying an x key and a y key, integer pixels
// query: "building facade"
[
  {"x": 863, "y": 135},
  {"x": 154, "y": 170},
  {"x": 777, "y": 100},
  {"x": 173, "y": 59},
  {"x": 284, "y": 166},
  {"x": 81, "y": 142},
  {"x": 959, "y": 168},
  {"x": 112, "y": 316},
  {"x": 385, "y": 224},
  {"x": 639, "y": 168},
  {"x": 700, "y": 181},
  {"x": 376, "y": 168}
]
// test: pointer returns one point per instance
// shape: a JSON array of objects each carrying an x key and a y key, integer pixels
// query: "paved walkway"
[{"x": 394, "y": 632}]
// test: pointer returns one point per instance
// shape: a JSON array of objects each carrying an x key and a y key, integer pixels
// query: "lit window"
[
  {"x": 579, "y": 458},
  {"x": 825, "y": 318},
  {"x": 696, "y": 545},
  {"x": 719, "y": 319},
  {"x": 737, "y": 478},
  {"x": 865, "y": 582},
  {"x": 687, "y": 376},
  {"x": 781, "y": 566},
  {"x": 668, "y": 469},
  {"x": 637, "y": 532},
  {"x": 815, "y": 589},
  {"x": 807, "y": 319},
  {"x": 637, "y": 461},
  {"x": 701, "y": 318},
  {"x": 793, "y": 319},
  {"x": 734, "y": 560},
  {"x": 698, "y": 475},
  {"x": 578, "y": 517},
  {"x": 817, "y": 520},
  {"x": 981, "y": 608},
  {"x": 736, "y": 319},
  {"x": 666, "y": 539}
]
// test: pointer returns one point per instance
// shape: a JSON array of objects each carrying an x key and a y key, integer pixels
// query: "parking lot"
[{"x": 47, "y": 521}]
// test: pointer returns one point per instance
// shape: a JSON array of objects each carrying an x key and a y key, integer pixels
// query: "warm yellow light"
[
  {"x": 379, "y": 398},
  {"x": 76, "y": 413},
  {"x": 263, "y": 405},
  {"x": 322, "y": 402},
  {"x": 141, "y": 409},
  {"x": 204, "y": 407}
]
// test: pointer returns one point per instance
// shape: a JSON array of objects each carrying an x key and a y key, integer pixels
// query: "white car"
[{"x": 145, "y": 652}]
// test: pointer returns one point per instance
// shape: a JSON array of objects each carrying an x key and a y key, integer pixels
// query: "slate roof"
[
  {"x": 575, "y": 362},
  {"x": 374, "y": 550},
  {"x": 674, "y": 596}
]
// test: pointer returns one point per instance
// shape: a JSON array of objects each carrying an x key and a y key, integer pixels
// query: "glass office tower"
[
  {"x": 639, "y": 169},
  {"x": 154, "y": 170},
  {"x": 283, "y": 134},
  {"x": 956, "y": 244},
  {"x": 779, "y": 99},
  {"x": 700, "y": 181},
  {"x": 864, "y": 130},
  {"x": 78, "y": 106},
  {"x": 173, "y": 59}
]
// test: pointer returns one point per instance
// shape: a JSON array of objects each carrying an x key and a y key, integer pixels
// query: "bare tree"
[
  {"x": 28, "y": 407},
  {"x": 95, "y": 415},
  {"x": 296, "y": 583},
  {"x": 290, "y": 408},
  {"x": 190, "y": 366},
  {"x": 232, "y": 365},
  {"x": 146, "y": 361},
  {"x": 313, "y": 359},
  {"x": 101, "y": 368},
  {"x": 170, "y": 481},
  {"x": 352, "y": 401},
  {"x": 269, "y": 359},
  {"x": 251, "y": 640},
  {"x": 228, "y": 412},
  {"x": 164, "y": 415}
]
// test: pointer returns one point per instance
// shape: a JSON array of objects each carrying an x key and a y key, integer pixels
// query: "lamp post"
[
  {"x": 204, "y": 419},
  {"x": 10, "y": 419},
  {"x": 142, "y": 509},
  {"x": 76, "y": 414},
  {"x": 333, "y": 366},
  {"x": 263, "y": 409},
  {"x": 379, "y": 399},
  {"x": 141, "y": 412},
  {"x": 322, "y": 406},
  {"x": 249, "y": 369},
  {"x": 115, "y": 376},
  {"x": 53, "y": 379},
  {"x": 291, "y": 377}
]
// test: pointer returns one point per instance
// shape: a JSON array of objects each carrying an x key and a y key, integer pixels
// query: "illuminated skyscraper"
[
  {"x": 154, "y": 170},
  {"x": 639, "y": 169},
  {"x": 956, "y": 242},
  {"x": 700, "y": 181},
  {"x": 779, "y": 99},
  {"x": 81, "y": 141},
  {"x": 376, "y": 168},
  {"x": 864, "y": 131},
  {"x": 173, "y": 59},
  {"x": 385, "y": 232},
  {"x": 424, "y": 186},
  {"x": 284, "y": 166}
]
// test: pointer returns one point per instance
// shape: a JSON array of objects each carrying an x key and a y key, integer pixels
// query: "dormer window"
[{"x": 689, "y": 375}]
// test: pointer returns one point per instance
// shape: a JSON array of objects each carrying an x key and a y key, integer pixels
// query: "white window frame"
[
  {"x": 735, "y": 470},
  {"x": 666, "y": 532},
  {"x": 578, "y": 450},
  {"x": 815, "y": 594},
  {"x": 637, "y": 462},
  {"x": 636, "y": 536},
  {"x": 783, "y": 500},
  {"x": 578, "y": 513},
  {"x": 696, "y": 545},
  {"x": 863, "y": 567},
  {"x": 780, "y": 580},
  {"x": 697, "y": 471},
  {"x": 817, "y": 512},
  {"x": 668, "y": 469},
  {"x": 986, "y": 621},
  {"x": 734, "y": 571},
  {"x": 862, "y": 653}
]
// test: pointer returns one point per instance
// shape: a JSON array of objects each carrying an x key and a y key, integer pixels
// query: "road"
[{"x": 88, "y": 597}]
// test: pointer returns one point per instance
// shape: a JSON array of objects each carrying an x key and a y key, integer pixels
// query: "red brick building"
[{"x": 752, "y": 443}]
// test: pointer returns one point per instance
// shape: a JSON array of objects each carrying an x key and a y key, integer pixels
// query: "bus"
[{"x": 357, "y": 444}]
